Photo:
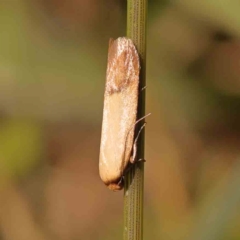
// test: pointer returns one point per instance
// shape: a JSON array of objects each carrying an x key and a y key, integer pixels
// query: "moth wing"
[{"x": 120, "y": 110}]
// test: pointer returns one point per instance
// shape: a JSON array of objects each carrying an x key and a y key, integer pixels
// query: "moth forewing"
[{"x": 119, "y": 111}]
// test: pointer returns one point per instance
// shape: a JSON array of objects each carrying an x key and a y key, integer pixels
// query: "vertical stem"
[{"x": 134, "y": 179}]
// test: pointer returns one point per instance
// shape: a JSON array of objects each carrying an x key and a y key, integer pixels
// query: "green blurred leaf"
[{"x": 20, "y": 146}]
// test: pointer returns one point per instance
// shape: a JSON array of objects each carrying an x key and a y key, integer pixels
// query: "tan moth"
[{"x": 119, "y": 111}]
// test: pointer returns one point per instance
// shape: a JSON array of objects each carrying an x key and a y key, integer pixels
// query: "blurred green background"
[{"x": 53, "y": 56}]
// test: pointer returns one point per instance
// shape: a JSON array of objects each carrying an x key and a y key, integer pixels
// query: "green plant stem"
[{"x": 134, "y": 178}]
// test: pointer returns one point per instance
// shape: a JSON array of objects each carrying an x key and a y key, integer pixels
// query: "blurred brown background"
[{"x": 53, "y": 57}]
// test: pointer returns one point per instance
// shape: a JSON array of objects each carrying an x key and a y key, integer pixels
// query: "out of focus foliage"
[{"x": 20, "y": 144}]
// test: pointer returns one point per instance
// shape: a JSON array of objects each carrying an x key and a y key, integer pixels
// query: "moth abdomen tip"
[{"x": 115, "y": 186}]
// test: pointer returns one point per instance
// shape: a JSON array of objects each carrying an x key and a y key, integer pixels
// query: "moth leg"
[
  {"x": 121, "y": 181},
  {"x": 141, "y": 160},
  {"x": 132, "y": 158},
  {"x": 143, "y": 88},
  {"x": 130, "y": 167}
]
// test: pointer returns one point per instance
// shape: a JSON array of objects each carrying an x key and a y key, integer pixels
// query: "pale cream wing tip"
[{"x": 115, "y": 186}]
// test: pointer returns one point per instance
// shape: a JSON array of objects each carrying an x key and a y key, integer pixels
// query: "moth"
[{"x": 119, "y": 112}]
